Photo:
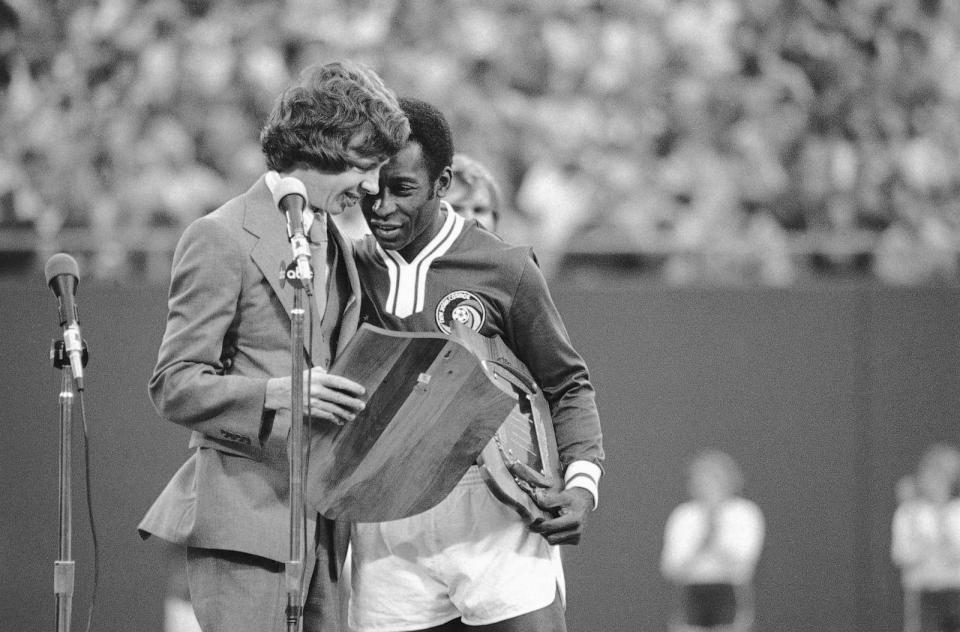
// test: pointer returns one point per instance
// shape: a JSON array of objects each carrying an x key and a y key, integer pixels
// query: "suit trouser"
[{"x": 239, "y": 592}]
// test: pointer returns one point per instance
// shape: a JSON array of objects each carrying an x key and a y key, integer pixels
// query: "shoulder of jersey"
[{"x": 502, "y": 250}]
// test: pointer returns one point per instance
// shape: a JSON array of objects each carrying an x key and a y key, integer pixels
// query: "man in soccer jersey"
[{"x": 469, "y": 562}]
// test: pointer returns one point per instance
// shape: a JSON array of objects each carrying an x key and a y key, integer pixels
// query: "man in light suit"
[{"x": 223, "y": 368}]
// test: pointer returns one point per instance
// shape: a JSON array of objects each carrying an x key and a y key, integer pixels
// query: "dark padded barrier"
[{"x": 826, "y": 396}]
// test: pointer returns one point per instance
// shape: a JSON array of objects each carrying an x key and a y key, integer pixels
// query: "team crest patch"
[{"x": 462, "y": 306}]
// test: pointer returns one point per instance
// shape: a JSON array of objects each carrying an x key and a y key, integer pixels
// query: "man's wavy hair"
[{"x": 333, "y": 107}]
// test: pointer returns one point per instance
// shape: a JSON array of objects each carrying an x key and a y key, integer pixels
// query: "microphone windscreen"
[
  {"x": 289, "y": 185},
  {"x": 61, "y": 263}
]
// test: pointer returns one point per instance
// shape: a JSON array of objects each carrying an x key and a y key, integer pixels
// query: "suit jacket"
[{"x": 227, "y": 333}]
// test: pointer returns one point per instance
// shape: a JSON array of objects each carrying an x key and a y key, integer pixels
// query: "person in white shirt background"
[
  {"x": 711, "y": 547},
  {"x": 925, "y": 543}
]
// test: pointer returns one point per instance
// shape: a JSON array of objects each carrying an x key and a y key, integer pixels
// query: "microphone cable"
[
  {"x": 304, "y": 580},
  {"x": 93, "y": 526}
]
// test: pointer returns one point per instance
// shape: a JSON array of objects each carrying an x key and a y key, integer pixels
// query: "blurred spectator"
[
  {"x": 909, "y": 253},
  {"x": 9, "y": 23},
  {"x": 926, "y": 543},
  {"x": 557, "y": 199},
  {"x": 711, "y": 547},
  {"x": 474, "y": 193},
  {"x": 906, "y": 492}
]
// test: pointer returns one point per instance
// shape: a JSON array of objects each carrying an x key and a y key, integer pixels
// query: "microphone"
[
  {"x": 290, "y": 196},
  {"x": 63, "y": 277}
]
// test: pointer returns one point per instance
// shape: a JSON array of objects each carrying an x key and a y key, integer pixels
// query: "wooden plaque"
[{"x": 431, "y": 409}]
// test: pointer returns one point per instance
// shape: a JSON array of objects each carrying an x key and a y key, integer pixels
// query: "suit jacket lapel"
[
  {"x": 271, "y": 253},
  {"x": 317, "y": 331},
  {"x": 351, "y": 308}
]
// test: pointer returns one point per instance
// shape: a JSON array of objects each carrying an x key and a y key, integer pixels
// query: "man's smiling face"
[{"x": 406, "y": 215}]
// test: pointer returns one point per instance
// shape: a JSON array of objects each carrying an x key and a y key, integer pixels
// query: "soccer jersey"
[{"x": 471, "y": 275}]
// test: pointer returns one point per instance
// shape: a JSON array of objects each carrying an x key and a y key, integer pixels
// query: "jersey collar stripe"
[
  {"x": 456, "y": 226},
  {"x": 393, "y": 272},
  {"x": 408, "y": 280},
  {"x": 442, "y": 235}
]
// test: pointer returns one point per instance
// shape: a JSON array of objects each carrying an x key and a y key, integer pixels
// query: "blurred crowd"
[{"x": 701, "y": 141}]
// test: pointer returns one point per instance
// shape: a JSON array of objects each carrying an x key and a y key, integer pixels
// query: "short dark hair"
[
  {"x": 429, "y": 127},
  {"x": 314, "y": 122}
]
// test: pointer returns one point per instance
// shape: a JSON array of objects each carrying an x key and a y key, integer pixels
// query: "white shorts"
[{"x": 469, "y": 557}]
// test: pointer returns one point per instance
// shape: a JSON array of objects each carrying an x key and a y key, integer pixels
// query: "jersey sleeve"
[{"x": 538, "y": 336}]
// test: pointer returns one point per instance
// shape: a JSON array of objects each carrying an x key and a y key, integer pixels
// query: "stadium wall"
[{"x": 825, "y": 395}]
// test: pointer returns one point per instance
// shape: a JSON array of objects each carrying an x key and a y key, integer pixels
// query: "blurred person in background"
[
  {"x": 470, "y": 562},
  {"x": 906, "y": 493},
  {"x": 474, "y": 193},
  {"x": 711, "y": 547},
  {"x": 9, "y": 23},
  {"x": 178, "y": 615},
  {"x": 925, "y": 543},
  {"x": 224, "y": 362}
]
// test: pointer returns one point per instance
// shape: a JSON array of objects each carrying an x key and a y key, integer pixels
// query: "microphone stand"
[
  {"x": 293, "y": 569},
  {"x": 63, "y": 568}
]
